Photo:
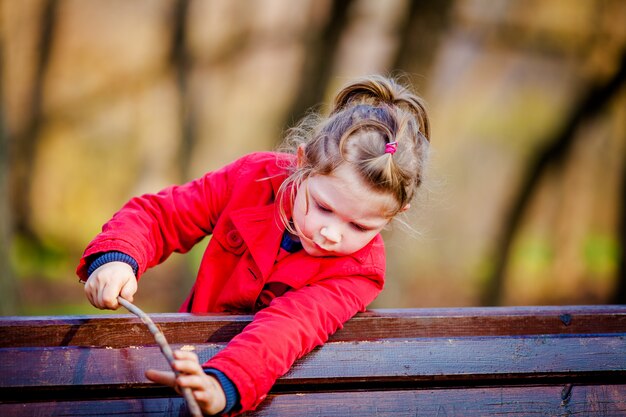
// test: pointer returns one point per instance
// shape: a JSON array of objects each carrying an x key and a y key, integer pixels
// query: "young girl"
[{"x": 295, "y": 239}]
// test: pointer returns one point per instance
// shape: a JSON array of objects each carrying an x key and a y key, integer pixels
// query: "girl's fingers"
[
  {"x": 109, "y": 296},
  {"x": 107, "y": 282},
  {"x": 206, "y": 402},
  {"x": 203, "y": 397},
  {"x": 191, "y": 367},
  {"x": 97, "y": 296},
  {"x": 161, "y": 377},
  {"x": 97, "y": 287},
  {"x": 91, "y": 290},
  {"x": 205, "y": 389},
  {"x": 187, "y": 362},
  {"x": 101, "y": 303},
  {"x": 195, "y": 382},
  {"x": 88, "y": 294},
  {"x": 129, "y": 289},
  {"x": 186, "y": 354}
]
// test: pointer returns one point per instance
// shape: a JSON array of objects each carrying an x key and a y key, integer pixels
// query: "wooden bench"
[{"x": 524, "y": 361}]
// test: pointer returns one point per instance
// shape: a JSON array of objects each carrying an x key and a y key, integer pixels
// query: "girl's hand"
[
  {"x": 206, "y": 390},
  {"x": 109, "y": 281}
]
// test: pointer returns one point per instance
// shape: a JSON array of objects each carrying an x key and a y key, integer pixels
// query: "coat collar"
[
  {"x": 260, "y": 226},
  {"x": 261, "y": 230}
]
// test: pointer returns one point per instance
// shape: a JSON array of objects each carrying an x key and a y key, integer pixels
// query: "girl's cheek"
[{"x": 304, "y": 226}]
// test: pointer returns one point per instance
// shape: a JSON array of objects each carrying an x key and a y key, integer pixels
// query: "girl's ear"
[
  {"x": 300, "y": 158},
  {"x": 405, "y": 208}
]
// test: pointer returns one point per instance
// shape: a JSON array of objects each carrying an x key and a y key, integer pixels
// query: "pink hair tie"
[{"x": 391, "y": 147}]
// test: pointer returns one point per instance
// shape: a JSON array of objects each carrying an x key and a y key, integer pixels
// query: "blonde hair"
[{"x": 366, "y": 116}]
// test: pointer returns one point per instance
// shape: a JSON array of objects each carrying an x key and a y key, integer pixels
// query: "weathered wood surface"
[
  {"x": 466, "y": 362},
  {"x": 127, "y": 330},
  {"x": 565, "y": 401},
  {"x": 426, "y": 360}
]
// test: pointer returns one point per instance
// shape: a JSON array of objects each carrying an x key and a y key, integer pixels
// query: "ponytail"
[
  {"x": 376, "y": 125},
  {"x": 376, "y": 89}
]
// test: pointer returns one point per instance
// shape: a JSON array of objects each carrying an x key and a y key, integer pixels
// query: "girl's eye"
[
  {"x": 359, "y": 228},
  {"x": 322, "y": 208}
]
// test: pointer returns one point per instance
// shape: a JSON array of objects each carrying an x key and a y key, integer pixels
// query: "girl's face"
[{"x": 338, "y": 214}]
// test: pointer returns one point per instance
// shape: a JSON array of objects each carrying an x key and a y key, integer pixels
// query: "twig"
[{"x": 159, "y": 337}]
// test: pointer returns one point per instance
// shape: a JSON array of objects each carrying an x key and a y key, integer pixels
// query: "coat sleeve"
[
  {"x": 150, "y": 227},
  {"x": 291, "y": 326}
]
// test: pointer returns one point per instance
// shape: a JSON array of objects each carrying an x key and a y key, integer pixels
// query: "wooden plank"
[
  {"x": 520, "y": 401},
  {"x": 117, "y": 330},
  {"x": 486, "y": 321},
  {"x": 125, "y": 330},
  {"x": 421, "y": 360}
]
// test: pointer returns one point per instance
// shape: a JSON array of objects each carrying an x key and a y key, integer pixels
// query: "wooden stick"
[{"x": 159, "y": 337}]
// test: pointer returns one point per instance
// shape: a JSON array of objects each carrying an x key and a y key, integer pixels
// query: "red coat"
[{"x": 236, "y": 205}]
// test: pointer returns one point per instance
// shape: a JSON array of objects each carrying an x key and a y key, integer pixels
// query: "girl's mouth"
[
  {"x": 322, "y": 249},
  {"x": 317, "y": 245},
  {"x": 313, "y": 243},
  {"x": 310, "y": 242}
]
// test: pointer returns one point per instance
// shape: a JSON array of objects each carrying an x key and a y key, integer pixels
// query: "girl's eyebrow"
[{"x": 319, "y": 200}]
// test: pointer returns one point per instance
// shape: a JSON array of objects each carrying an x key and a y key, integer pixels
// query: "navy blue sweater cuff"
[
  {"x": 112, "y": 256},
  {"x": 230, "y": 390}
]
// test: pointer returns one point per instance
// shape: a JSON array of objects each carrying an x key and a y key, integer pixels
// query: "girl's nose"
[{"x": 330, "y": 234}]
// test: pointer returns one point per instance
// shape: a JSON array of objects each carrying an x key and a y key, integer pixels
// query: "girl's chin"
[{"x": 313, "y": 249}]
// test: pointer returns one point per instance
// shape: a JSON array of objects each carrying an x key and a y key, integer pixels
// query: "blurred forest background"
[{"x": 526, "y": 197}]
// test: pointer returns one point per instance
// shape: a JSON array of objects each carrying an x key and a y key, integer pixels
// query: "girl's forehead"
[{"x": 344, "y": 189}]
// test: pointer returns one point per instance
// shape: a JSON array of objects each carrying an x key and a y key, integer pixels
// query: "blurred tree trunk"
[
  {"x": 591, "y": 103},
  {"x": 180, "y": 63},
  {"x": 8, "y": 286},
  {"x": 321, "y": 50},
  {"x": 425, "y": 23},
  {"x": 620, "y": 293},
  {"x": 23, "y": 146},
  {"x": 16, "y": 165}
]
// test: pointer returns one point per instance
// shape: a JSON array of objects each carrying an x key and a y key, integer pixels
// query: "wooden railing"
[{"x": 520, "y": 361}]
